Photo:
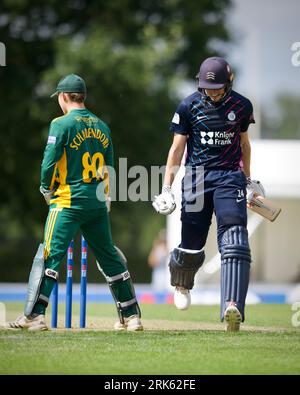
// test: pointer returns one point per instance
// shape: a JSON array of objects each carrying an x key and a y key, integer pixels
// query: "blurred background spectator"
[{"x": 158, "y": 261}]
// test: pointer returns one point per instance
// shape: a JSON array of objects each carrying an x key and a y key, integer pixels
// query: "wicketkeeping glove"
[
  {"x": 165, "y": 202},
  {"x": 254, "y": 187},
  {"x": 47, "y": 194}
]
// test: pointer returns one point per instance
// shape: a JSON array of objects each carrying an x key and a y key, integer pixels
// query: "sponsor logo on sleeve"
[
  {"x": 51, "y": 140},
  {"x": 176, "y": 118}
]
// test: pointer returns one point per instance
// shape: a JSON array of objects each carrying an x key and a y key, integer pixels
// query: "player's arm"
[
  {"x": 109, "y": 154},
  {"x": 109, "y": 173},
  {"x": 52, "y": 154},
  {"x": 165, "y": 202},
  {"x": 254, "y": 188},
  {"x": 174, "y": 158},
  {"x": 180, "y": 126},
  {"x": 246, "y": 153},
  {"x": 244, "y": 138},
  {"x": 255, "y": 191},
  {"x": 256, "y": 200}
]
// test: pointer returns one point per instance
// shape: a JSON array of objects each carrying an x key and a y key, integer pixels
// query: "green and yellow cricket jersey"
[{"x": 78, "y": 151}]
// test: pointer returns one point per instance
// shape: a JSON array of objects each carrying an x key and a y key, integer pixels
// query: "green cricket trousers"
[{"x": 61, "y": 226}]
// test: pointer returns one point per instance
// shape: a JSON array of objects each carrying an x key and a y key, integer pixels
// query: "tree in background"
[
  {"x": 133, "y": 54},
  {"x": 284, "y": 123}
]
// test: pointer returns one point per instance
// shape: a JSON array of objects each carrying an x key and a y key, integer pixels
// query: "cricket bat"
[{"x": 264, "y": 207}]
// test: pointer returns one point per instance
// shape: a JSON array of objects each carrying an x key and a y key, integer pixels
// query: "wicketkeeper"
[
  {"x": 75, "y": 184},
  {"x": 213, "y": 124}
]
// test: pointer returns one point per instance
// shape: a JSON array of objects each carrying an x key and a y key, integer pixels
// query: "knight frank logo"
[
  {"x": 2, "y": 54},
  {"x": 207, "y": 138},
  {"x": 216, "y": 138}
]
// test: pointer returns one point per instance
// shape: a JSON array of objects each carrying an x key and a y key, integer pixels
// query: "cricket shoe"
[
  {"x": 233, "y": 318},
  {"x": 131, "y": 324},
  {"x": 36, "y": 323},
  {"x": 182, "y": 298}
]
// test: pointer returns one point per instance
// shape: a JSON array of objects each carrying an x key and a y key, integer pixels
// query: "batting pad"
[{"x": 235, "y": 268}]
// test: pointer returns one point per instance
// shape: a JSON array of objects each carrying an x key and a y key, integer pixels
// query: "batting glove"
[
  {"x": 254, "y": 187},
  {"x": 165, "y": 202},
  {"x": 47, "y": 194}
]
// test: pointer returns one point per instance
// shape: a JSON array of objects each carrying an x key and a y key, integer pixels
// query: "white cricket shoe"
[
  {"x": 233, "y": 318},
  {"x": 182, "y": 298},
  {"x": 131, "y": 324},
  {"x": 37, "y": 323}
]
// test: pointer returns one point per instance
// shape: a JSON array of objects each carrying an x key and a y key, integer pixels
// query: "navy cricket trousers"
[{"x": 222, "y": 192}]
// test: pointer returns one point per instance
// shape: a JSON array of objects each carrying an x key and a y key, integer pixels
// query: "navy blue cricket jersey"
[{"x": 213, "y": 129}]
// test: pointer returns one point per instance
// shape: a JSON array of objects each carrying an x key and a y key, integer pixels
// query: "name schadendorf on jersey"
[{"x": 216, "y": 138}]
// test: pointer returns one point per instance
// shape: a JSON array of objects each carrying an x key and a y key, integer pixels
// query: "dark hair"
[{"x": 77, "y": 97}]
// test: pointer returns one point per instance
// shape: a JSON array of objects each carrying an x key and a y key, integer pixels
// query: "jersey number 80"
[{"x": 93, "y": 167}]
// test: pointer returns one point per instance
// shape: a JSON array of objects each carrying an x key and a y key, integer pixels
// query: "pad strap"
[
  {"x": 128, "y": 303},
  {"x": 119, "y": 277},
  {"x": 52, "y": 274},
  {"x": 113, "y": 282},
  {"x": 183, "y": 267},
  {"x": 44, "y": 300}
]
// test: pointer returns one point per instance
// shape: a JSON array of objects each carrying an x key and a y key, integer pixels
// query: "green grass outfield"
[{"x": 175, "y": 342}]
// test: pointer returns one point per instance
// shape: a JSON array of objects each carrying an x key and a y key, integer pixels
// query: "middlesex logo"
[
  {"x": 210, "y": 75},
  {"x": 231, "y": 116},
  {"x": 216, "y": 138}
]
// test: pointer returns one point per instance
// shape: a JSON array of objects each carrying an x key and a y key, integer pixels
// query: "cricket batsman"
[
  {"x": 75, "y": 185},
  {"x": 213, "y": 123}
]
